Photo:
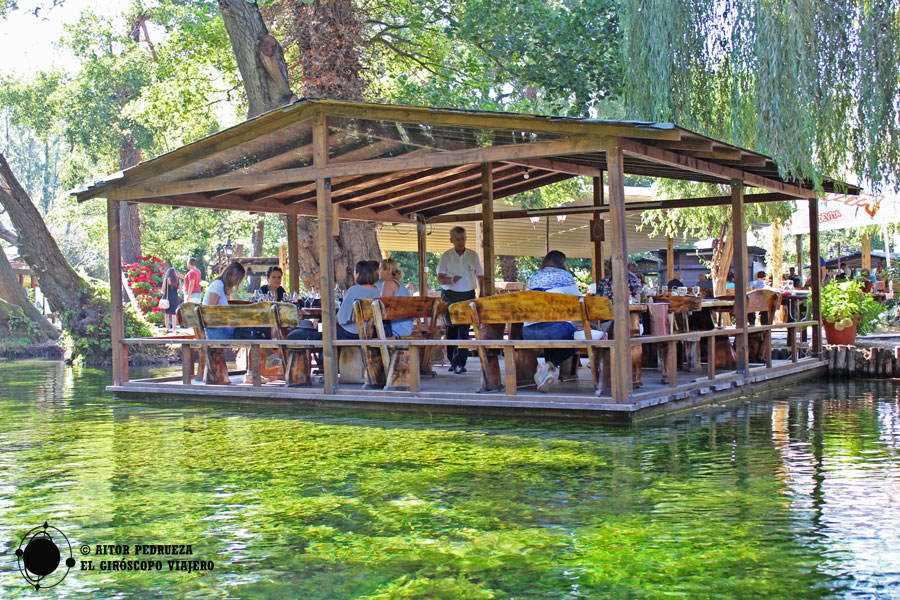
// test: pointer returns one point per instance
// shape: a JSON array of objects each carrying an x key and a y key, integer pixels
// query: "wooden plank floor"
[{"x": 459, "y": 390}]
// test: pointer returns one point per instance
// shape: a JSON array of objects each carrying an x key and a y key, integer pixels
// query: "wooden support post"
[
  {"x": 816, "y": 349},
  {"x": 326, "y": 253},
  {"x": 547, "y": 236},
  {"x": 423, "y": 256},
  {"x": 739, "y": 235},
  {"x": 253, "y": 364},
  {"x": 487, "y": 212},
  {"x": 670, "y": 259},
  {"x": 672, "y": 363},
  {"x": 509, "y": 370},
  {"x": 116, "y": 312},
  {"x": 187, "y": 364},
  {"x": 711, "y": 357},
  {"x": 597, "y": 262},
  {"x": 293, "y": 253},
  {"x": 798, "y": 240},
  {"x": 867, "y": 252},
  {"x": 621, "y": 375}
]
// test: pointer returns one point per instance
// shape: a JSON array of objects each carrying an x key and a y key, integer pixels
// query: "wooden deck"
[{"x": 452, "y": 393}]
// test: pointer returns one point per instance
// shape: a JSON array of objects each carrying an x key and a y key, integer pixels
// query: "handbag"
[{"x": 163, "y": 301}]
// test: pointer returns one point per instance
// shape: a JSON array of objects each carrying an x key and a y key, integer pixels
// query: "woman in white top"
[
  {"x": 390, "y": 274},
  {"x": 217, "y": 295}
]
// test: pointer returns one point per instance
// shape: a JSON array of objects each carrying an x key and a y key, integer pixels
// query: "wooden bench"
[
  {"x": 403, "y": 368},
  {"x": 489, "y": 317},
  {"x": 280, "y": 316}
]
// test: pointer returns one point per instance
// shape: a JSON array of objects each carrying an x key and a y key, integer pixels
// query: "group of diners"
[{"x": 366, "y": 275}]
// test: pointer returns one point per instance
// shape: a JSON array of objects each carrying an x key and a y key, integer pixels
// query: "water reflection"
[{"x": 788, "y": 495}]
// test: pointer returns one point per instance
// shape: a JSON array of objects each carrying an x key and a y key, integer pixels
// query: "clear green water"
[{"x": 794, "y": 494}]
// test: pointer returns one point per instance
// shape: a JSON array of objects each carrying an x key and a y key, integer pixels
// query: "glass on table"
[{"x": 696, "y": 290}]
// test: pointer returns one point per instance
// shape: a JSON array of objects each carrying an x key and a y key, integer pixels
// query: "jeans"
[
  {"x": 220, "y": 333},
  {"x": 562, "y": 330}
]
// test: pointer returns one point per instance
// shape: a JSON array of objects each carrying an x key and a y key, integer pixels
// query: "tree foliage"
[{"x": 813, "y": 83}]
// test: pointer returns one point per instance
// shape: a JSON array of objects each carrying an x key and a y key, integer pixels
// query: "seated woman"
[
  {"x": 390, "y": 275},
  {"x": 346, "y": 329},
  {"x": 554, "y": 277},
  {"x": 273, "y": 283},
  {"x": 217, "y": 294},
  {"x": 729, "y": 282}
]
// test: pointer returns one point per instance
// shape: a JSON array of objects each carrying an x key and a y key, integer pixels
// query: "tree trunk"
[
  {"x": 259, "y": 57},
  {"x": 722, "y": 266},
  {"x": 12, "y": 292},
  {"x": 129, "y": 212},
  {"x": 327, "y": 51},
  {"x": 777, "y": 253},
  {"x": 509, "y": 270},
  {"x": 81, "y": 311},
  {"x": 256, "y": 249}
]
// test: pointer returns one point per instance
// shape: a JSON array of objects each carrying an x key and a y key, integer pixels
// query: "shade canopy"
[{"x": 389, "y": 163}]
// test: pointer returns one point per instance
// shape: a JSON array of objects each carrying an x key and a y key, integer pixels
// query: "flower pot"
[{"x": 844, "y": 337}]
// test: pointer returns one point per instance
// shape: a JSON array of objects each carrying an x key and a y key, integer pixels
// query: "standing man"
[
  {"x": 192, "y": 282},
  {"x": 458, "y": 271}
]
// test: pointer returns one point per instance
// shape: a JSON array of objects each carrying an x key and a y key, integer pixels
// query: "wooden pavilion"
[{"x": 406, "y": 164}]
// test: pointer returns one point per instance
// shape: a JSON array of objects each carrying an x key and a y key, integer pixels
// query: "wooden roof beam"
[
  {"x": 499, "y": 121},
  {"x": 629, "y": 207},
  {"x": 458, "y": 180},
  {"x": 402, "y": 183},
  {"x": 470, "y": 184},
  {"x": 560, "y": 166},
  {"x": 550, "y": 177},
  {"x": 207, "y": 147},
  {"x": 696, "y": 165},
  {"x": 366, "y": 167}
]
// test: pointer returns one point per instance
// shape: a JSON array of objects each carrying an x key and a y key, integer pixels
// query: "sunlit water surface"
[{"x": 792, "y": 494}]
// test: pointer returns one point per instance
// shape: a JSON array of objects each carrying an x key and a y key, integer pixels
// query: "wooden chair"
[
  {"x": 599, "y": 308},
  {"x": 401, "y": 373},
  {"x": 764, "y": 303},
  {"x": 680, "y": 308},
  {"x": 280, "y": 316}
]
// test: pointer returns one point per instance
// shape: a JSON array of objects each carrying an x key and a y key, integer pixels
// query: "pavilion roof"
[{"x": 389, "y": 162}]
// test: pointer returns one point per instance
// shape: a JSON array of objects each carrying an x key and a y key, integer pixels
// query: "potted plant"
[{"x": 848, "y": 311}]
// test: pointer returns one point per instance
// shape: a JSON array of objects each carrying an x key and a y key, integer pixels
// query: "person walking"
[
  {"x": 458, "y": 272},
  {"x": 192, "y": 282}
]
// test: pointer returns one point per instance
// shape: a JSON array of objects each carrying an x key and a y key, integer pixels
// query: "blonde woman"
[
  {"x": 389, "y": 273},
  {"x": 217, "y": 294}
]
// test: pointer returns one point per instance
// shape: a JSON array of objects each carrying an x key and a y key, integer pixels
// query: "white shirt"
[
  {"x": 467, "y": 266},
  {"x": 216, "y": 287}
]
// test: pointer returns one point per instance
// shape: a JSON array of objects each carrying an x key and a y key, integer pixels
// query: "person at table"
[
  {"x": 217, "y": 294},
  {"x": 704, "y": 283},
  {"x": 458, "y": 272},
  {"x": 376, "y": 266},
  {"x": 346, "y": 325},
  {"x": 729, "y": 281},
  {"x": 274, "y": 277},
  {"x": 554, "y": 277},
  {"x": 676, "y": 281},
  {"x": 760, "y": 281},
  {"x": 192, "y": 282},
  {"x": 792, "y": 275},
  {"x": 605, "y": 286},
  {"x": 389, "y": 274}
]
